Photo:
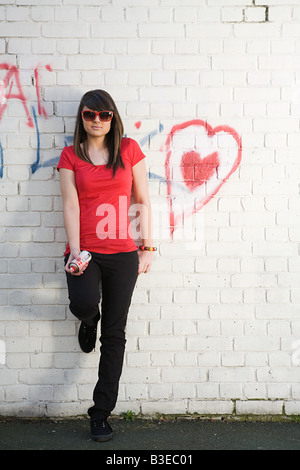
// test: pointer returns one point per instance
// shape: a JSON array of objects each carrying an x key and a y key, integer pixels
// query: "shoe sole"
[{"x": 102, "y": 438}]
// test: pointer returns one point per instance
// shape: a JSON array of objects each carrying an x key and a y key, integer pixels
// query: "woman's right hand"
[{"x": 73, "y": 255}]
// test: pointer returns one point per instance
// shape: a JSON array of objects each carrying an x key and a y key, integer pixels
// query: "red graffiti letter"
[
  {"x": 41, "y": 109},
  {"x": 11, "y": 78}
]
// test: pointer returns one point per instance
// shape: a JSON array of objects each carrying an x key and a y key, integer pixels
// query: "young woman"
[{"x": 97, "y": 175}]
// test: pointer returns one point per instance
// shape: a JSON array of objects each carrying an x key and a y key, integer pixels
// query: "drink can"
[{"x": 77, "y": 263}]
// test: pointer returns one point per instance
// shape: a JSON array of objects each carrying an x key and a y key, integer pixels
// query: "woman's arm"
[
  {"x": 141, "y": 195},
  {"x": 71, "y": 212}
]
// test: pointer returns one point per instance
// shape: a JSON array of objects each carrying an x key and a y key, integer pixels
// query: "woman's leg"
[
  {"x": 120, "y": 272},
  {"x": 84, "y": 293}
]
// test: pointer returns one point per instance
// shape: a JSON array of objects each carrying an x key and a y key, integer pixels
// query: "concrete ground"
[{"x": 154, "y": 435}]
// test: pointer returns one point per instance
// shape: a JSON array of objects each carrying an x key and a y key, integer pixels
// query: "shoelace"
[
  {"x": 101, "y": 423},
  {"x": 89, "y": 329}
]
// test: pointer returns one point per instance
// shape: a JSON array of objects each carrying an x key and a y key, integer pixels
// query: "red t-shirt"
[{"x": 104, "y": 200}]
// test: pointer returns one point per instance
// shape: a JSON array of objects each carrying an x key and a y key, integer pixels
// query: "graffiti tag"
[{"x": 199, "y": 158}]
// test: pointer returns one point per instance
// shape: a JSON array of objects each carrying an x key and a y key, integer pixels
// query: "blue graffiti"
[
  {"x": 149, "y": 136},
  {"x": 37, "y": 164},
  {"x": 52, "y": 162},
  {"x": 68, "y": 141}
]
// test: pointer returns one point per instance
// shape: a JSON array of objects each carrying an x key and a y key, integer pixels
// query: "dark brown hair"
[{"x": 100, "y": 100}]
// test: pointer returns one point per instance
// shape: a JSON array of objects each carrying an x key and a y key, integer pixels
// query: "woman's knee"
[{"x": 84, "y": 310}]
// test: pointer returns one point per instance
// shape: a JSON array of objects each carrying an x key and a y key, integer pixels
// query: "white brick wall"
[{"x": 214, "y": 328}]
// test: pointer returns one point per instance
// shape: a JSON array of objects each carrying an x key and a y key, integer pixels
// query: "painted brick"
[{"x": 213, "y": 328}]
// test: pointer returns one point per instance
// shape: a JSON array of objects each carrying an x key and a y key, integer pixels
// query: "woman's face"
[{"x": 96, "y": 128}]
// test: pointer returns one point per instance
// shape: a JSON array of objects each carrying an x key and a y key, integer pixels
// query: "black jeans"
[{"x": 115, "y": 275}]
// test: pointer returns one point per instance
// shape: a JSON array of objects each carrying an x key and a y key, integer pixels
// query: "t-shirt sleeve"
[
  {"x": 65, "y": 160},
  {"x": 136, "y": 152}
]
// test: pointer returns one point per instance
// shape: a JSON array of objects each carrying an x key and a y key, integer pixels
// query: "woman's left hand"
[{"x": 145, "y": 261}]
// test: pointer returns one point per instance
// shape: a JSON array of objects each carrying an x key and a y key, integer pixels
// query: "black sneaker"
[
  {"x": 87, "y": 336},
  {"x": 101, "y": 430}
]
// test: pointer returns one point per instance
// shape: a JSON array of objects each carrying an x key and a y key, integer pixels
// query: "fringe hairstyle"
[{"x": 100, "y": 100}]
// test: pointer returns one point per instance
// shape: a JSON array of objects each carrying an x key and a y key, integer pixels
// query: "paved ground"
[{"x": 153, "y": 435}]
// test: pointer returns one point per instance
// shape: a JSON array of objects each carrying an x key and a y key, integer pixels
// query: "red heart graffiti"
[
  {"x": 213, "y": 170},
  {"x": 196, "y": 171}
]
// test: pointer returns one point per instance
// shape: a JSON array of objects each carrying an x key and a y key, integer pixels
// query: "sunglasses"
[{"x": 104, "y": 116}]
